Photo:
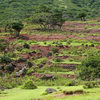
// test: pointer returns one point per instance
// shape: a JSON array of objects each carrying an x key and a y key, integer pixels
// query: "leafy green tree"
[
  {"x": 17, "y": 26},
  {"x": 47, "y": 18},
  {"x": 57, "y": 19},
  {"x": 43, "y": 8},
  {"x": 82, "y": 16},
  {"x": 41, "y": 18},
  {"x": 90, "y": 67}
]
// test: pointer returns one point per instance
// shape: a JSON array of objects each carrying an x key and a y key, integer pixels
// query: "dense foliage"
[
  {"x": 90, "y": 68},
  {"x": 20, "y": 9},
  {"x": 29, "y": 85}
]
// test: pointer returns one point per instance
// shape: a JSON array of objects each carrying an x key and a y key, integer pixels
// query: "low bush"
[
  {"x": 54, "y": 50},
  {"x": 11, "y": 54},
  {"x": 45, "y": 93},
  {"x": 5, "y": 59},
  {"x": 68, "y": 92},
  {"x": 71, "y": 60},
  {"x": 30, "y": 71},
  {"x": 89, "y": 85},
  {"x": 19, "y": 48},
  {"x": 29, "y": 85},
  {"x": 57, "y": 60},
  {"x": 26, "y": 46},
  {"x": 71, "y": 92},
  {"x": 10, "y": 67},
  {"x": 71, "y": 83},
  {"x": 92, "y": 45},
  {"x": 78, "y": 91}
]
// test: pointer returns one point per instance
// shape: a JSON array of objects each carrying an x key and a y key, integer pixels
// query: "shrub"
[
  {"x": 80, "y": 49},
  {"x": 30, "y": 71},
  {"x": 68, "y": 92},
  {"x": 54, "y": 50},
  {"x": 78, "y": 91},
  {"x": 89, "y": 85},
  {"x": 19, "y": 48},
  {"x": 45, "y": 43},
  {"x": 11, "y": 54},
  {"x": 0, "y": 73},
  {"x": 86, "y": 45},
  {"x": 26, "y": 46},
  {"x": 29, "y": 85},
  {"x": 57, "y": 60},
  {"x": 92, "y": 45},
  {"x": 5, "y": 59},
  {"x": 45, "y": 93},
  {"x": 10, "y": 67},
  {"x": 21, "y": 59},
  {"x": 71, "y": 83},
  {"x": 70, "y": 59},
  {"x": 60, "y": 45},
  {"x": 90, "y": 68}
]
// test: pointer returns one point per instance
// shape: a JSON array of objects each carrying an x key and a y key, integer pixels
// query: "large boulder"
[{"x": 50, "y": 90}]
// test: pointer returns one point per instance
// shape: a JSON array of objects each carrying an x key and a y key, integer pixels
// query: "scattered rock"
[
  {"x": 17, "y": 74},
  {"x": 48, "y": 77},
  {"x": 50, "y": 90},
  {"x": 23, "y": 71}
]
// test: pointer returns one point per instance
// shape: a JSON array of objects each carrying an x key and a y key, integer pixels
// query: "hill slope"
[{"x": 15, "y": 9}]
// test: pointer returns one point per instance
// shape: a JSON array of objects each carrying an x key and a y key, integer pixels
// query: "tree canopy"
[
  {"x": 17, "y": 26},
  {"x": 90, "y": 67},
  {"x": 47, "y": 18},
  {"x": 20, "y": 9}
]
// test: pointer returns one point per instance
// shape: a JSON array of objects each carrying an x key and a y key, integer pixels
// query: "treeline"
[{"x": 21, "y": 9}]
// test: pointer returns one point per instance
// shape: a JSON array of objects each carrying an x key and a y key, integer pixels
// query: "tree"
[
  {"x": 82, "y": 16},
  {"x": 57, "y": 19},
  {"x": 42, "y": 8},
  {"x": 90, "y": 67},
  {"x": 17, "y": 26},
  {"x": 47, "y": 18},
  {"x": 43, "y": 19}
]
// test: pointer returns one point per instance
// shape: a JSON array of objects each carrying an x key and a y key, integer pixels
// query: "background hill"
[{"x": 20, "y": 9}]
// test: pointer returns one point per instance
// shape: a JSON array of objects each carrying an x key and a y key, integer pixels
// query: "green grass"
[
  {"x": 66, "y": 61},
  {"x": 22, "y": 94},
  {"x": 58, "y": 73}
]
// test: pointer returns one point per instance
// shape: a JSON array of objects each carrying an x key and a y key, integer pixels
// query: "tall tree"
[
  {"x": 17, "y": 26},
  {"x": 47, "y": 18},
  {"x": 82, "y": 16}
]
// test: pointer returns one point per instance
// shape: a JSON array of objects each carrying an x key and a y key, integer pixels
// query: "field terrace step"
[{"x": 67, "y": 66}]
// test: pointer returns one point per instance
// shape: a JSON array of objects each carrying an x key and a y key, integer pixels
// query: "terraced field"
[{"x": 55, "y": 53}]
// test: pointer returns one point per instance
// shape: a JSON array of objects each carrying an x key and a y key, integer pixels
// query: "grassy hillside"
[{"x": 20, "y": 9}]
